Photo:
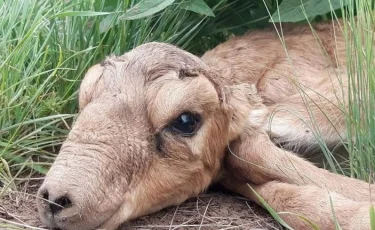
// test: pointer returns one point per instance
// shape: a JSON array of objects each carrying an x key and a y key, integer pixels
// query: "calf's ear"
[
  {"x": 245, "y": 109},
  {"x": 90, "y": 84}
]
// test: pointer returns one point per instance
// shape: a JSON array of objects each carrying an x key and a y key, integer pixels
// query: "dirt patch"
[{"x": 215, "y": 209}]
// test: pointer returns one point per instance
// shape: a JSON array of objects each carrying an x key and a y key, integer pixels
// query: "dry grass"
[{"x": 214, "y": 210}]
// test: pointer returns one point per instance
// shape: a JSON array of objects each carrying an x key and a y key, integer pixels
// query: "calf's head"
[{"x": 152, "y": 131}]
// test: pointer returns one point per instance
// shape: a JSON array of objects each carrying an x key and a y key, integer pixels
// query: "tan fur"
[
  {"x": 306, "y": 80},
  {"x": 121, "y": 160},
  {"x": 293, "y": 185}
]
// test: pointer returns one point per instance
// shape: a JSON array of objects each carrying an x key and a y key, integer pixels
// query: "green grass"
[{"x": 361, "y": 69}]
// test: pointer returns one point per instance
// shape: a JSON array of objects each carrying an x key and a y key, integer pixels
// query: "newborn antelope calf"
[{"x": 155, "y": 124}]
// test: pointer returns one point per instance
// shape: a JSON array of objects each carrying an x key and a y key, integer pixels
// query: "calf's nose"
[{"x": 54, "y": 200}]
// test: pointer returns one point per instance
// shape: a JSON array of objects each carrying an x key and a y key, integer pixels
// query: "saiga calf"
[{"x": 155, "y": 123}]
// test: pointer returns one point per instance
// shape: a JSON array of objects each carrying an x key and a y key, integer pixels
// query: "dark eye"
[{"x": 186, "y": 124}]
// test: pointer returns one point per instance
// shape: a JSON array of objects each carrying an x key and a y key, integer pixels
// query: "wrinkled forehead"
[
  {"x": 139, "y": 75},
  {"x": 161, "y": 78},
  {"x": 148, "y": 62}
]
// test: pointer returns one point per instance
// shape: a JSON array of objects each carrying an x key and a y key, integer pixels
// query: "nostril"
[
  {"x": 45, "y": 195},
  {"x": 64, "y": 202},
  {"x": 59, "y": 204}
]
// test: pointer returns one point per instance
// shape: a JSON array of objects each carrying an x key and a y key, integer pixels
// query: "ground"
[{"x": 215, "y": 209}]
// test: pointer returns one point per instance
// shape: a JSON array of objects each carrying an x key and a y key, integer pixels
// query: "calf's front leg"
[
  {"x": 291, "y": 184},
  {"x": 314, "y": 204},
  {"x": 256, "y": 159}
]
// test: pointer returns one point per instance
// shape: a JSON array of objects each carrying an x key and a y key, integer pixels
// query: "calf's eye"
[{"x": 186, "y": 124}]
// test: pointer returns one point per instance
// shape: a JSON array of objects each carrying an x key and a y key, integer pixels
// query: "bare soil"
[{"x": 216, "y": 209}]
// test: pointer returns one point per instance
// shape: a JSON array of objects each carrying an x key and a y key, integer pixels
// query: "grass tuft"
[{"x": 360, "y": 41}]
